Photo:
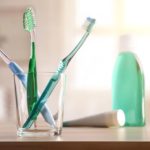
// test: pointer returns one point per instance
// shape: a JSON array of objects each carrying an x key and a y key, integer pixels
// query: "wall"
[
  {"x": 16, "y": 42},
  {"x": 56, "y": 35}
]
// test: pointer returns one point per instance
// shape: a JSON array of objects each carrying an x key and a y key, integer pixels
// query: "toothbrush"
[
  {"x": 32, "y": 92},
  {"x": 29, "y": 25},
  {"x": 56, "y": 76},
  {"x": 15, "y": 68},
  {"x": 18, "y": 71}
]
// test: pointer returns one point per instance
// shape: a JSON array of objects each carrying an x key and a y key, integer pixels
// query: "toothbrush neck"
[
  {"x": 32, "y": 34},
  {"x": 5, "y": 58},
  {"x": 33, "y": 50},
  {"x": 68, "y": 58}
]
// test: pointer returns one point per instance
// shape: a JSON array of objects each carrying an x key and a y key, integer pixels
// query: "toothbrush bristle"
[
  {"x": 88, "y": 25},
  {"x": 29, "y": 19}
]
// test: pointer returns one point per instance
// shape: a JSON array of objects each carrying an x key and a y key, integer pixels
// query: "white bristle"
[
  {"x": 88, "y": 24},
  {"x": 29, "y": 19}
]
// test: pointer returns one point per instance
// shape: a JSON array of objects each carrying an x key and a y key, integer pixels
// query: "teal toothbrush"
[{"x": 56, "y": 76}]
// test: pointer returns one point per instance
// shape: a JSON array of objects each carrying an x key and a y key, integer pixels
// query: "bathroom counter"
[{"x": 79, "y": 138}]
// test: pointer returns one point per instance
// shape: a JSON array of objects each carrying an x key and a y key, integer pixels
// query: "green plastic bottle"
[{"x": 128, "y": 89}]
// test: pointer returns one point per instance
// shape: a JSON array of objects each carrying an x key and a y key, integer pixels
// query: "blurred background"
[{"x": 58, "y": 29}]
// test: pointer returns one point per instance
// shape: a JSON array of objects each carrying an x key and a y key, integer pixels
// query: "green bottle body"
[{"x": 128, "y": 89}]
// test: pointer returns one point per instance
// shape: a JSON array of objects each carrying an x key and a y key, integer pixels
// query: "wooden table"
[{"x": 79, "y": 138}]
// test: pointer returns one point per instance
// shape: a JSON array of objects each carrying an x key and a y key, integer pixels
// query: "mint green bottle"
[{"x": 128, "y": 89}]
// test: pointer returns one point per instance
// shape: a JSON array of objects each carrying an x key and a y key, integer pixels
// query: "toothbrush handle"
[
  {"x": 42, "y": 100},
  {"x": 48, "y": 115},
  {"x": 17, "y": 70},
  {"x": 32, "y": 93}
]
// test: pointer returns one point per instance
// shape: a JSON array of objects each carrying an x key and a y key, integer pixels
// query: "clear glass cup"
[{"x": 55, "y": 104}]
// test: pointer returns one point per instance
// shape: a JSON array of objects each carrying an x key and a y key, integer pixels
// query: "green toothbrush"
[
  {"x": 32, "y": 92},
  {"x": 56, "y": 76}
]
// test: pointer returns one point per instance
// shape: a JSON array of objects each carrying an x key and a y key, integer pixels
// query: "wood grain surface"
[{"x": 79, "y": 138}]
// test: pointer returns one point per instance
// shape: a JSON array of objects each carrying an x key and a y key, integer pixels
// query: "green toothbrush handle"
[{"x": 32, "y": 91}]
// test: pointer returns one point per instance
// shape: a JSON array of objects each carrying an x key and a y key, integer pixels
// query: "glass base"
[{"x": 38, "y": 132}]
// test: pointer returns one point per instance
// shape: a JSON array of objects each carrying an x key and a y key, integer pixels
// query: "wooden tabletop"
[{"x": 79, "y": 138}]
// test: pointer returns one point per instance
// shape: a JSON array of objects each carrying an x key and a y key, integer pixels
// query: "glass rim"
[{"x": 39, "y": 72}]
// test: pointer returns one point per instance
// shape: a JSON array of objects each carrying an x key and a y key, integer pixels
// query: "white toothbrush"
[{"x": 18, "y": 71}]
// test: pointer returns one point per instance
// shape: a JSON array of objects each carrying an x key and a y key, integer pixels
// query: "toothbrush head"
[
  {"x": 29, "y": 19},
  {"x": 89, "y": 23}
]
